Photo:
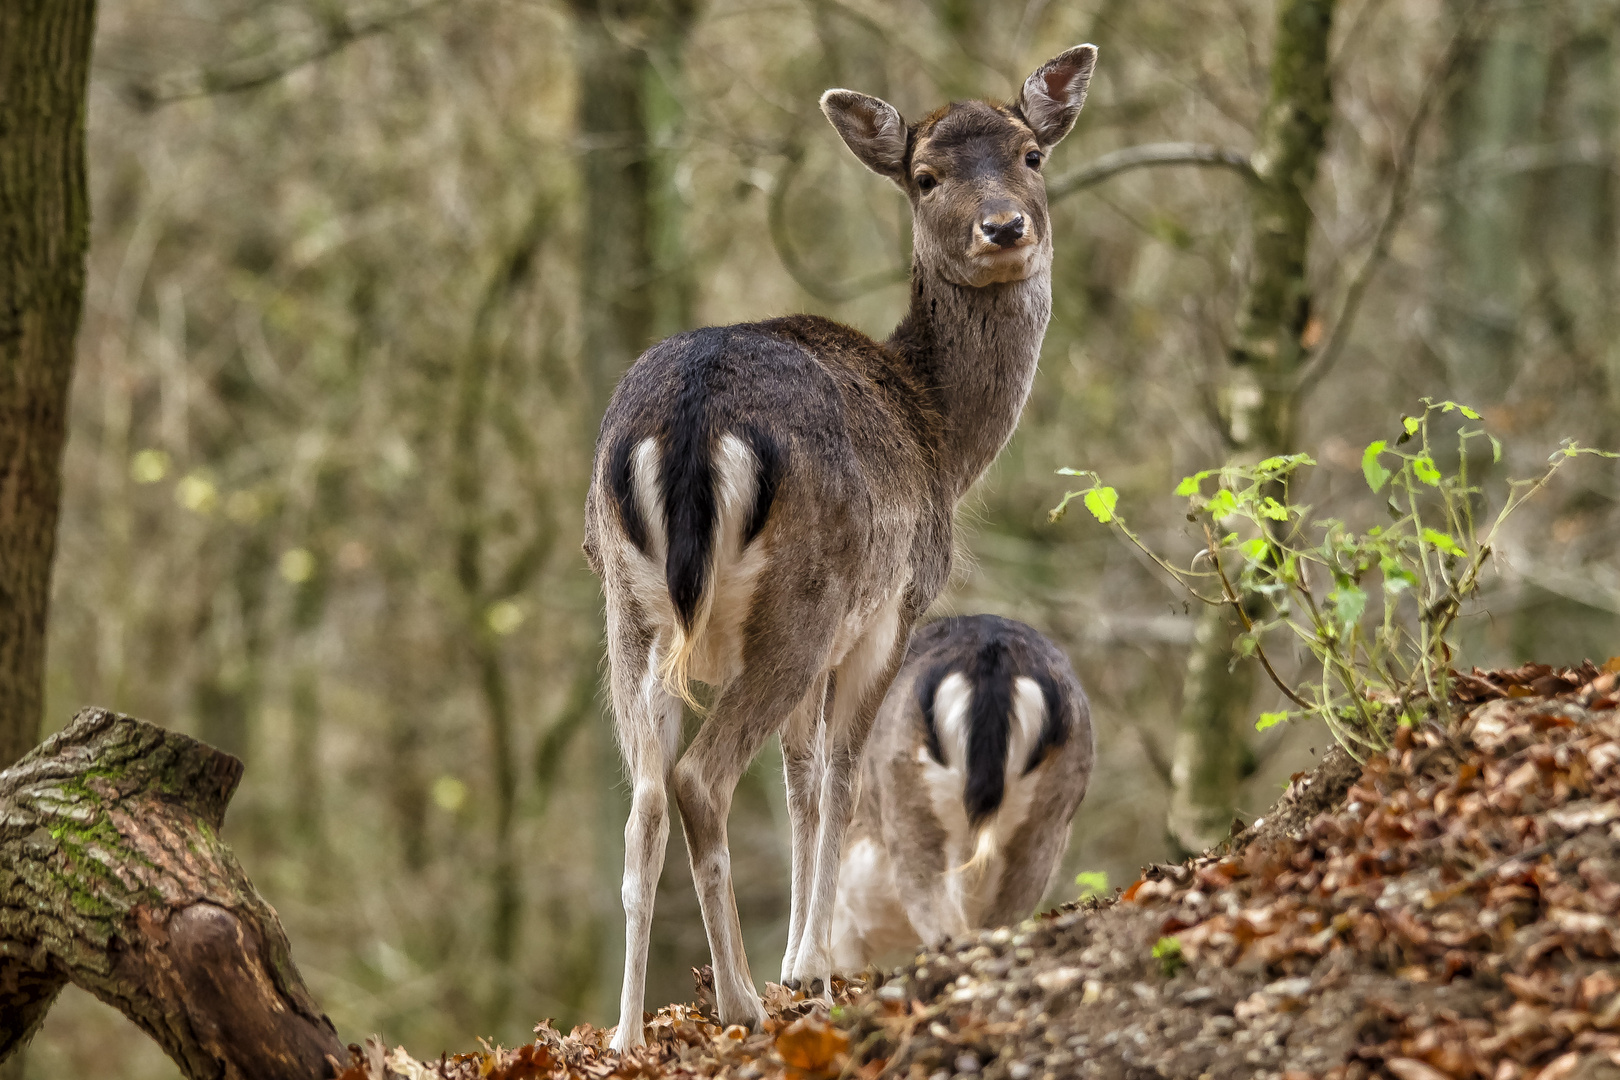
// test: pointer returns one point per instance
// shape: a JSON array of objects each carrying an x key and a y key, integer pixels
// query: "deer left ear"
[{"x": 1052, "y": 97}]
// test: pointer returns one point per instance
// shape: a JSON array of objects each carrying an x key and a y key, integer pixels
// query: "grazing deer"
[
  {"x": 978, "y": 760},
  {"x": 771, "y": 504}
]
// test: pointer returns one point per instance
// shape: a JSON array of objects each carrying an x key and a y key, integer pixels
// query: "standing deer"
[
  {"x": 978, "y": 760},
  {"x": 771, "y": 504}
]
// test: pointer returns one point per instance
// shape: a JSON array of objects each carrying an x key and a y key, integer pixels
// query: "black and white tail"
[
  {"x": 992, "y": 708},
  {"x": 689, "y": 491}
]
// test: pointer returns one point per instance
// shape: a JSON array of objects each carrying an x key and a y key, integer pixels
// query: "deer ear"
[
  {"x": 871, "y": 128},
  {"x": 1052, "y": 97}
]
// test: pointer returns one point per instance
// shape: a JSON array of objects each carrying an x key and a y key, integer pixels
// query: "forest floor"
[{"x": 1450, "y": 909}]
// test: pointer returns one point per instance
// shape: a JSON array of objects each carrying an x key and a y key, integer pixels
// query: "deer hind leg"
[
  {"x": 649, "y": 730},
  {"x": 802, "y": 768},
  {"x": 750, "y": 709},
  {"x": 859, "y": 685}
]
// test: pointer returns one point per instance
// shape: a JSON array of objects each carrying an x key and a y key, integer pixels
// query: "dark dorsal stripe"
[
  {"x": 771, "y": 460},
  {"x": 621, "y": 467},
  {"x": 688, "y": 478},
  {"x": 989, "y": 722},
  {"x": 927, "y": 690},
  {"x": 1056, "y": 729}
]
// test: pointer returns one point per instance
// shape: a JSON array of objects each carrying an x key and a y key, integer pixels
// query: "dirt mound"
[{"x": 1456, "y": 915}]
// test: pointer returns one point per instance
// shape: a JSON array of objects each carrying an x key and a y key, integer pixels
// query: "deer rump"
[
  {"x": 716, "y": 428},
  {"x": 979, "y": 758}
]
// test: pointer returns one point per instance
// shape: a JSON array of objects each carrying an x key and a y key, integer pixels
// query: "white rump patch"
[
  {"x": 1026, "y": 723},
  {"x": 952, "y": 704}
]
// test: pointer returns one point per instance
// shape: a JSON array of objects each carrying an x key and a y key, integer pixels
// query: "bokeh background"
[{"x": 363, "y": 273}]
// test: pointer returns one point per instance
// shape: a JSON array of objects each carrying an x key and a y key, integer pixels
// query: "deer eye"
[
  {"x": 1033, "y": 159},
  {"x": 926, "y": 182}
]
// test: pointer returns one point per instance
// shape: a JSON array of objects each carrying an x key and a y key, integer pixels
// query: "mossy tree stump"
[{"x": 113, "y": 877}]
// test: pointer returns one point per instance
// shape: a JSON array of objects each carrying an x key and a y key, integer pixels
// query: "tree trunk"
[
  {"x": 635, "y": 284},
  {"x": 44, "y": 232},
  {"x": 1257, "y": 403},
  {"x": 113, "y": 877},
  {"x": 1493, "y": 110},
  {"x": 632, "y": 265}
]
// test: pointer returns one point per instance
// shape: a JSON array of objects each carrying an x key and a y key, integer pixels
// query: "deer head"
[{"x": 972, "y": 170}]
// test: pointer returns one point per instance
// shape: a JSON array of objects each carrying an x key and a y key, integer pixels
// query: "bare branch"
[
  {"x": 1151, "y": 154},
  {"x": 250, "y": 73},
  {"x": 776, "y": 218}
]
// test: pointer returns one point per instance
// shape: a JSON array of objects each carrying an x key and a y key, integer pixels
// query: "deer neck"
[{"x": 976, "y": 349}]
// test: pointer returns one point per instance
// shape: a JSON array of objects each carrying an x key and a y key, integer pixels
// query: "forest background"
[{"x": 362, "y": 276}]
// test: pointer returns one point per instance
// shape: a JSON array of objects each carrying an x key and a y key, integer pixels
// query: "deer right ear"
[
  {"x": 871, "y": 128},
  {"x": 1052, "y": 97}
]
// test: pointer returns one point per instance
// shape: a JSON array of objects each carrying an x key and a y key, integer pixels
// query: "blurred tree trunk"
[
  {"x": 1568, "y": 293},
  {"x": 1257, "y": 403},
  {"x": 1575, "y": 252},
  {"x": 628, "y": 56},
  {"x": 482, "y": 590},
  {"x": 44, "y": 232},
  {"x": 635, "y": 285},
  {"x": 1494, "y": 109}
]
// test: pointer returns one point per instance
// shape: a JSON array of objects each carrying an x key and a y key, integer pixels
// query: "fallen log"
[{"x": 113, "y": 877}]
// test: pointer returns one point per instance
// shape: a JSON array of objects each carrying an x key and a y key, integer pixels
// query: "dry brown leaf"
[{"x": 809, "y": 1045}]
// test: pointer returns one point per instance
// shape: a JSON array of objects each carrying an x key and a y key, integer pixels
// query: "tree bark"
[
  {"x": 632, "y": 266},
  {"x": 1492, "y": 111},
  {"x": 1257, "y": 402},
  {"x": 113, "y": 877},
  {"x": 44, "y": 232}
]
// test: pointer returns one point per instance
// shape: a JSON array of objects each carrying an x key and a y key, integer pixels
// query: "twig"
[
  {"x": 1248, "y": 625},
  {"x": 776, "y": 220},
  {"x": 244, "y": 74},
  {"x": 1150, "y": 154}
]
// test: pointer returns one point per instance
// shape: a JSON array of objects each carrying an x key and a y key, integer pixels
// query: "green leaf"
[
  {"x": 1189, "y": 485},
  {"x": 1270, "y": 720},
  {"x": 1253, "y": 550},
  {"x": 1348, "y": 602},
  {"x": 1101, "y": 502},
  {"x": 1092, "y": 883},
  {"x": 1397, "y": 578},
  {"x": 1437, "y": 539},
  {"x": 1167, "y": 951},
  {"x": 1221, "y": 504},
  {"x": 1411, "y": 424},
  {"x": 1273, "y": 509},
  {"x": 1377, "y": 476},
  {"x": 1425, "y": 471},
  {"x": 1496, "y": 447}
]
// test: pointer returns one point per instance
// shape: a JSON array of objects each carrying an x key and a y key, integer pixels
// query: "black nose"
[{"x": 1005, "y": 233}]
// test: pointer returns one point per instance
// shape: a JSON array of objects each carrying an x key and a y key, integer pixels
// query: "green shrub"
[{"x": 1374, "y": 608}]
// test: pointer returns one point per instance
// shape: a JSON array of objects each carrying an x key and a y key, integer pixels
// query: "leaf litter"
[{"x": 1448, "y": 910}]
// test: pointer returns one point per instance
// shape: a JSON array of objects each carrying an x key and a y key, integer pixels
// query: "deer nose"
[{"x": 1003, "y": 233}]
